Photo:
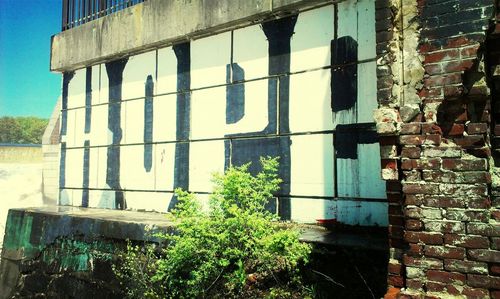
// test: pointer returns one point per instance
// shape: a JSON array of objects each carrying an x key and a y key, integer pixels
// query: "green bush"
[{"x": 236, "y": 248}]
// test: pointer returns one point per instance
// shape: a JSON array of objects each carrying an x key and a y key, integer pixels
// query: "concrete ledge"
[
  {"x": 159, "y": 23},
  {"x": 66, "y": 252}
]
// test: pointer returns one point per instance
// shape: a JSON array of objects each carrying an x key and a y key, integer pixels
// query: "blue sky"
[{"x": 27, "y": 87}]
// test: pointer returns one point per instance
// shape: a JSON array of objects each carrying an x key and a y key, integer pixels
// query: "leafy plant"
[
  {"x": 235, "y": 248},
  {"x": 22, "y": 129}
]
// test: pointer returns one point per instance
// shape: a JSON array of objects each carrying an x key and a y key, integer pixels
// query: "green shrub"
[{"x": 236, "y": 248}]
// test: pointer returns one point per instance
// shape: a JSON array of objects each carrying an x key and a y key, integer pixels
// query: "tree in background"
[{"x": 22, "y": 129}]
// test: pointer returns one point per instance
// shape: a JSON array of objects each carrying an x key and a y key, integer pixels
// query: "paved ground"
[{"x": 20, "y": 187}]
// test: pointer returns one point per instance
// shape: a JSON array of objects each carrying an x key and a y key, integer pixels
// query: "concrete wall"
[
  {"x": 63, "y": 252},
  {"x": 301, "y": 87},
  {"x": 159, "y": 23},
  {"x": 20, "y": 153},
  {"x": 51, "y": 157}
]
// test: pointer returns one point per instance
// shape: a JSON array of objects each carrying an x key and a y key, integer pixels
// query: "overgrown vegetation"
[
  {"x": 235, "y": 248},
  {"x": 22, "y": 129}
]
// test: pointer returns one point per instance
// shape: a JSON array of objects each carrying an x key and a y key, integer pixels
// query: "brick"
[
  {"x": 412, "y": 176},
  {"x": 478, "y": 202},
  {"x": 445, "y": 226},
  {"x": 395, "y": 268},
  {"x": 483, "y": 281},
  {"x": 410, "y": 152},
  {"x": 384, "y": 13},
  {"x": 415, "y": 188},
  {"x": 463, "y": 189},
  {"x": 471, "y": 140},
  {"x": 396, "y": 243},
  {"x": 433, "y": 69},
  {"x": 442, "y": 152},
  {"x": 392, "y": 186},
  {"x": 496, "y": 130},
  {"x": 388, "y": 151},
  {"x": 445, "y": 252},
  {"x": 383, "y": 36},
  {"x": 469, "y": 51},
  {"x": 410, "y": 128},
  {"x": 481, "y": 152},
  {"x": 442, "y": 56},
  {"x": 413, "y": 224},
  {"x": 413, "y": 284},
  {"x": 395, "y": 280},
  {"x": 414, "y": 199},
  {"x": 453, "y": 91},
  {"x": 436, "y": 287},
  {"x": 484, "y": 255},
  {"x": 467, "y": 241},
  {"x": 415, "y": 250},
  {"x": 458, "y": 65},
  {"x": 431, "y": 238},
  {"x": 387, "y": 140},
  {"x": 464, "y": 165},
  {"x": 395, "y": 231},
  {"x": 495, "y": 294},
  {"x": 412, "y": 139},
  {"x": 477, "y": 128},
  {"x": 383, "y": 25},
  {"x": 456, "y": 177},
  {"x": 475, "y": 293},
  {"x": 495, "y": 269},
  {"x": 413, "y": 272},
  {"x": 396, "y": 220},
  {"x": 426, "y": 263},
  {"x": 427, "y": 213},
  {"x": 395, "y": 197},
  {"x": 467, "y": 215},
  {"x": 395, "y": 210},
  {"x": 384, "y": 95},
  {"x": 456, "y": 130},
  {"x": 389, "y": 163},
  {"x": 465, "y": 40},
  {"x": 386, "y": 128},
  {"x": 442, "y": 80},
  {"x": 446, "y": 277},
  {"x": 484, "y": 229},
  {"x": 424, "y": 163},
  {"x": 466, "y": 266},
  {"x": 380, "y": 4},
  {"x": 444, "y": 202},
  {"x": 432, "y": 139},
  {"x": 431, "y": 128}
]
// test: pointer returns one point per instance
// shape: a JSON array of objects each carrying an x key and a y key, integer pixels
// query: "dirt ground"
[{"x": 20, "y": 187}]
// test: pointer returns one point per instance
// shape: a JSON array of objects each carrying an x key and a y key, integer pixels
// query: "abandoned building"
[{"x": 384, "y": 113}]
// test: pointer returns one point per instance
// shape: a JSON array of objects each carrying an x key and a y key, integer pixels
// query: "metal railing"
[{"x": 78, "y": 12}]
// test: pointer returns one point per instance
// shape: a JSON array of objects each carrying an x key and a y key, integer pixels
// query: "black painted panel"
[
  {"x": 88, "y": 99},
  {"x": 148, "y": 124},
  {"x": 344, "y": 83},
  {"x": 64, "y": 105},
  {"x": 181, "y": 165},
  {"x": 235, "y": 94},
  {"x": 114, "y": 70},
  {"x": 347, "y": 138},
  {"x": 86, "y": 174}
]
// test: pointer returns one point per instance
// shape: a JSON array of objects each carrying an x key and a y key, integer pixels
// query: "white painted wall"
[{"x": 318, "y": 191}]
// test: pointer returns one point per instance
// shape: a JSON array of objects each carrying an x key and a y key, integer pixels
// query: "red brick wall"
[{"x": 444, "y": 221}]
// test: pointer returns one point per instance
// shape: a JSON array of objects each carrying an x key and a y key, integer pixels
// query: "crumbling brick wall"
[{"x": 438, "y": 143}]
